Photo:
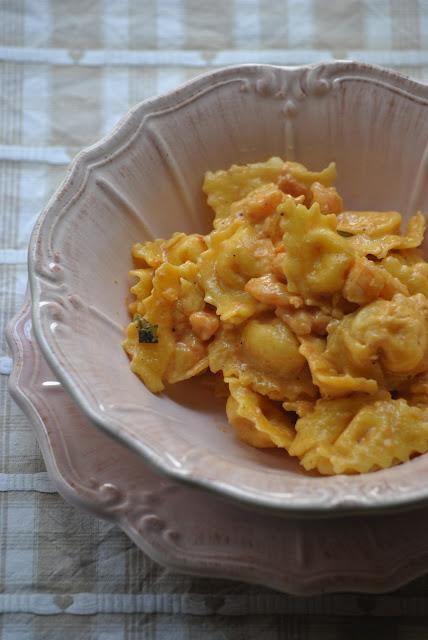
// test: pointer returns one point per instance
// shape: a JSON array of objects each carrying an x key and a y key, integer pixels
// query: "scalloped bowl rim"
[
  {"x": 77, "y": 172},
  {"x": 58, "y": 458}
]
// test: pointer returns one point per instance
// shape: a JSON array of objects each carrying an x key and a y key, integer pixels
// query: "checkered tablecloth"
[{"x": 68, "y": 70}]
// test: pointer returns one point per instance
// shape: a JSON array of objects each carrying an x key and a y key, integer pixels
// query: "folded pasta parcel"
[
  {"x": 315, "y": 316},
  {"x": 317, "y": 258}
]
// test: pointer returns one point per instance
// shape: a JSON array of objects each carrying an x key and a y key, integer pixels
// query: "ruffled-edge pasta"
[
  {"x": 257, "y": 420},
  {"x": 262, "y": 354},
  {"x": 359, "y": 434},
  {"x": 311, "y": 319}
]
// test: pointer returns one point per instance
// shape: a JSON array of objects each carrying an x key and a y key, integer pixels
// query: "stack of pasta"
[{"x": 315, "y": 317}]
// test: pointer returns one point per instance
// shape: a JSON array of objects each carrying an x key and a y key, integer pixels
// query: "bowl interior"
[{"x": 145, "y": 182}]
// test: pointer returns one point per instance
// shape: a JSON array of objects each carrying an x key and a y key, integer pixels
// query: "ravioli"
[
  {"x": 257, "y": 420},
  {"x": 358, "y": 435},
  {"x": 313, "y": 318},
  {"x": 166, "y": 297},
  {"x": 263, "y": 354},
  {"x": 316, "y": 258},
  {"x": 223, "y": 188},
  {"x": 227, "y": 265}
]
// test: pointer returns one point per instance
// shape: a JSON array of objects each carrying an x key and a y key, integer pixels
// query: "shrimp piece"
[
  {"x": 367, "y": 281},
  {"x": 259, "y": 203},
  {"x": 302, "y": 322},
  {"x": 327, "y": 197},
  {"x": 293, "y": 187},
  {"x": 277, "y": 262},
  {"x": 269, "y": 290},
  {"x": 204, "y": 324}
]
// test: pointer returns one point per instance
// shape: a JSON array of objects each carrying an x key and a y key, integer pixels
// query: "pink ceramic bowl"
[
  {"x": 193, "y": 532},
  {"x": 144, "y": 181}
]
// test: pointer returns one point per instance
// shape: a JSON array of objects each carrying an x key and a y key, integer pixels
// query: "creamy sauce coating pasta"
[{"x": 316, "y": 317}]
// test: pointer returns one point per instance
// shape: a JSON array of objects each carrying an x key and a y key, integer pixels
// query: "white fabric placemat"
[{"x": 68, "y": 70}]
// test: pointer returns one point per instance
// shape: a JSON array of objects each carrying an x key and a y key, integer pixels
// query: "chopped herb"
[
  {"x": 345, "y": 234},
  {"x": 147, "y": 332}
]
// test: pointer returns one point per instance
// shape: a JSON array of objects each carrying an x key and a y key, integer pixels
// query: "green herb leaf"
[
  {"x": 344, "y": 234},
  {"x": 147, "y": 332}
]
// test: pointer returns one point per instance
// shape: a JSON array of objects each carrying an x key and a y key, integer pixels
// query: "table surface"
[{"x": 68, "y": 70}]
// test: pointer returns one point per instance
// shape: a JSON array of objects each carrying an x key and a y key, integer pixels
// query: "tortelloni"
[
  {"x": 316, "y": 258},
  {"x": 315, "y": 317},
  {"x": 357, "y": 434},
  {"x": 376, "y": 347},
  {"x": 262, "y": 354},
  {"x": 257, "y": 420}
]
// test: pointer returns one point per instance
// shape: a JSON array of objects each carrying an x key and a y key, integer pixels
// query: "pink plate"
[
  {"x": 143, "y": 181},
  {"x": 192, "y": 531}
]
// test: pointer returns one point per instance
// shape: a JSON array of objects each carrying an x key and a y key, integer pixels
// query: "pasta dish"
[{"x": 314, "y": 316}]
